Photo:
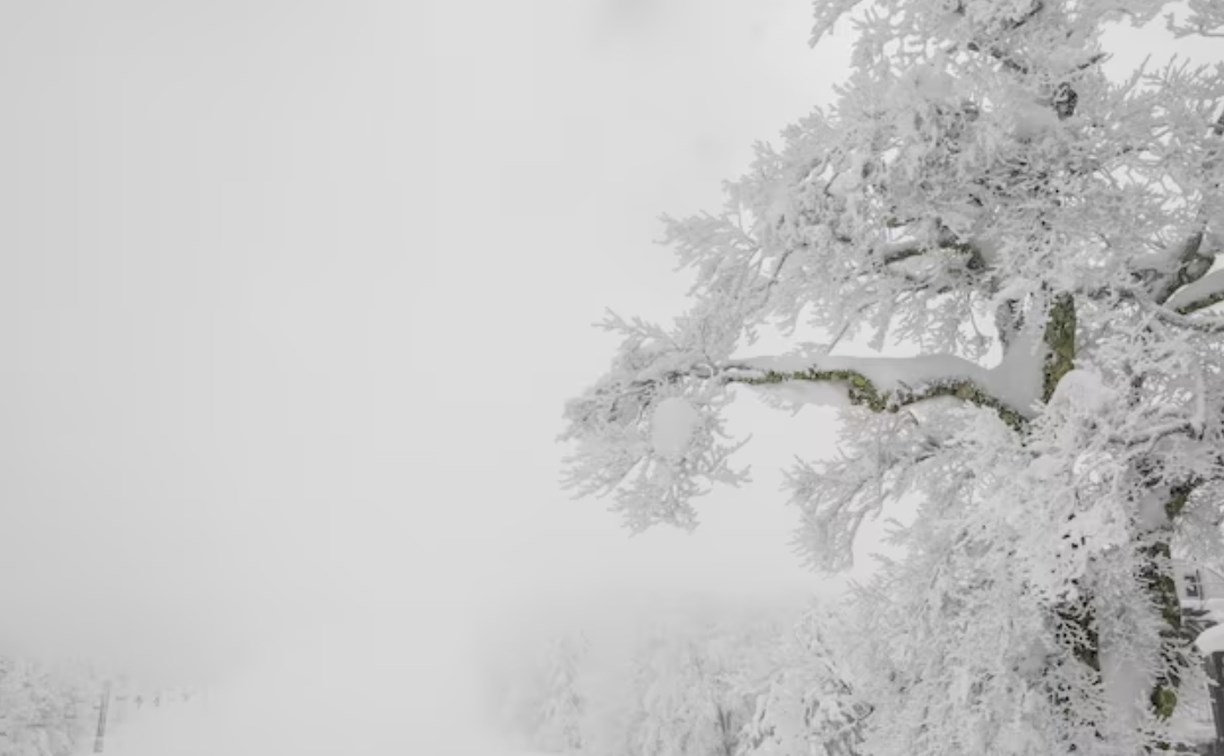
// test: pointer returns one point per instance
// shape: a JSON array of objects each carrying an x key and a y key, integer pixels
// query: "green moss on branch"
[
  {"x": 864, "y": 393},
  {"x": 1059, "y": 340}
]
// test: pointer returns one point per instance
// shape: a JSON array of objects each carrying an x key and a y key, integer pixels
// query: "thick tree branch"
[
  {"x": 1206, "y": 325},
  {"x": 1198, "y": 294},
  {"x": 999, "y": 55},
  {"x": 884, "y": 384},
  {"x": 944, "y": 239},
  {"x": 1191, "y": 266}
]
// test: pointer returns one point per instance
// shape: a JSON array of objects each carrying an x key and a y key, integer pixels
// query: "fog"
[{"x": 292, "y": 296}]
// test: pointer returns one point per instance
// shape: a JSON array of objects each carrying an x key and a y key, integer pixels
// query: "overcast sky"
[{"x": 292, "y": 294}]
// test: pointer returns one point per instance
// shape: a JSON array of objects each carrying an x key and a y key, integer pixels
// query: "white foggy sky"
[{"x": 291, "y": 295}]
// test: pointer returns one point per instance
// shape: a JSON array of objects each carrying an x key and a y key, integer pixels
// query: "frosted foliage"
[
  {"x": 613, "y": 425},
  {"x": 560, "y": 714},
  {"x": 1047, "y": 238},
  {"x": 808, "y": 707},
  {"x": 44, "y": 711},
  {"x": 680, "y": 687},
  {"x": 1204, "y": 17}
]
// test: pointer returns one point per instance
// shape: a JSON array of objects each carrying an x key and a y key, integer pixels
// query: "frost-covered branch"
[
  {"x": 649, "y": 433},
  {"x": 1206, "y": 19},
  {"x": 1199, "y": 294},
  {"x": 900, "y": 251},
  {"x": 1199, "y": 324},
  {"x": 886, "y": 384},
  {"x": 1190, "y": 263}
]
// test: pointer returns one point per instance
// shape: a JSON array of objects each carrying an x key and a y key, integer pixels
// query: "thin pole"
[{"x": 106, "y": 689}]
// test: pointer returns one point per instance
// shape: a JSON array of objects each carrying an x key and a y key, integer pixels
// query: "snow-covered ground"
[
  {"x": 192, "y": 730},
  {"x": 237, "y": 728},
  {"x": 367, "y": 687}
]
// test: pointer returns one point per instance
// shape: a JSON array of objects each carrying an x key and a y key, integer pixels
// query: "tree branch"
[
  {"x": 885, "y": 384},
  {"x": 897, "y": 252},
  {"x": 1199, "y": 294},
  {"x": 1191, "y": 266},
  {"x": 1164, "y": 314}
]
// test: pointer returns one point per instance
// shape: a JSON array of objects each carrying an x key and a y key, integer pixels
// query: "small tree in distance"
[
  {"x": 560, "y": 719},
  {"x": 676, "y": 682},
  {"x": 1048, "y": 238}
]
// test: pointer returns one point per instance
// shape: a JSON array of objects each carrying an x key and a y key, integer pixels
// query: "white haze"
[{"x": 291, "y": 294}]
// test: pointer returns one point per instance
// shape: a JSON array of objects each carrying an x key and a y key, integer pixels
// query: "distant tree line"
[
  {"x": 727, "y": 686},
  {"x": 47, "y": 710}
]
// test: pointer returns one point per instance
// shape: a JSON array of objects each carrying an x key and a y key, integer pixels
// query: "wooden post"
[{"x": 106, "y": 689}]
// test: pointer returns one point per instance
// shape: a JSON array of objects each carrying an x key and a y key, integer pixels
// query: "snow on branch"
[
  {"x": 649, "y": 434},
  {"x": 886, "y": 384},
  {"x": 1199, "y": 324},
  {"x": 1191, "y": 264},
  {"x": 1199, "y": 294}
]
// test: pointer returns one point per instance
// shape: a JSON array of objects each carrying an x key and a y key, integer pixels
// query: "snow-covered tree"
[
  {"x": 676, "y": 682},
  {"x": 538, "y": 698},
  {"x": 1047, "y": 238},
  {"x": 690, "y": 701},
  {"x": 808, "y": 707},
  {"x": 558, "y": 727},
  {"x": 39, "y": 708}
]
